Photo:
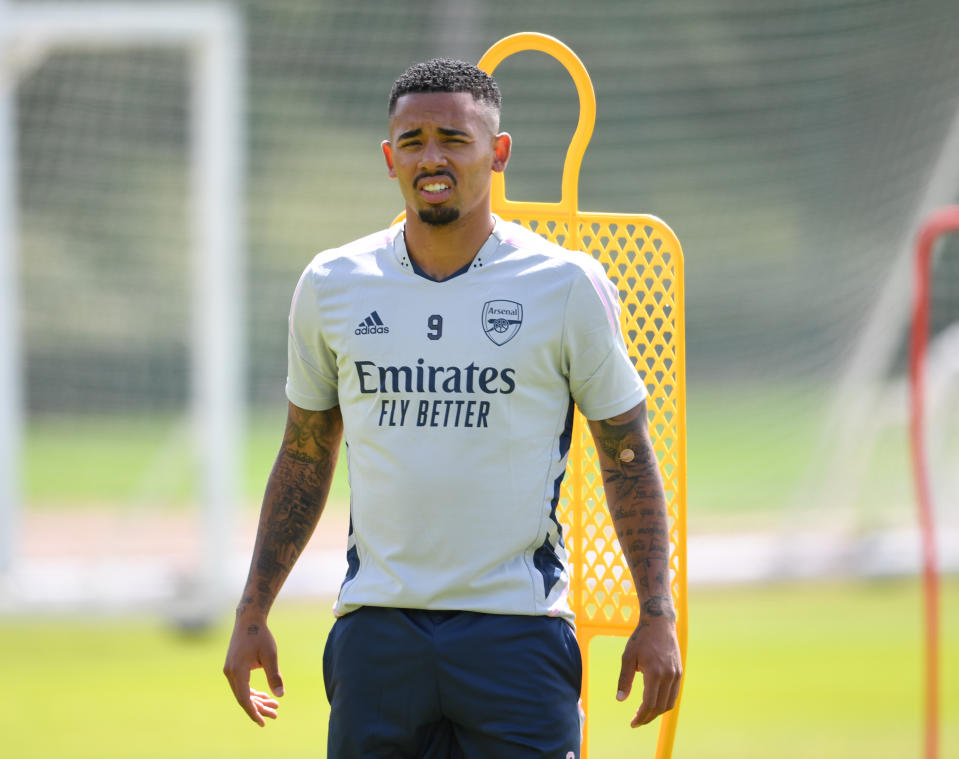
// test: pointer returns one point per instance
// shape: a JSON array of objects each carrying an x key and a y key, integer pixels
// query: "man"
[{"x": 449, "y": 351}]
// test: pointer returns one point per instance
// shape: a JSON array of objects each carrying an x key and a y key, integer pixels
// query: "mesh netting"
[{"x": 787, "y": 145}]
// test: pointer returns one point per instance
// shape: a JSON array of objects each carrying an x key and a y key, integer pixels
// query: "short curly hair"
[{"x": 446, "y": 75}]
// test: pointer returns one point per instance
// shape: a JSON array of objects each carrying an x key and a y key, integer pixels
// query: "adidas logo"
[{"x": 372, "y": 325}]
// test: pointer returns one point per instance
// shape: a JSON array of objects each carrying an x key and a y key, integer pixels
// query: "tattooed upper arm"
[
  {"x": 627, "y": 458},
  {"x": 624, "y": 438},
  {"x": 313, "y": 435}
]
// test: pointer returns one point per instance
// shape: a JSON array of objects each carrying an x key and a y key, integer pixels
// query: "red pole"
[{"x": 942, "y": 221}]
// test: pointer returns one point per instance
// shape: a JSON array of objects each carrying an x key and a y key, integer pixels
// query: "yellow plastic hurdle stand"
[{"x": 643, "y": 257}]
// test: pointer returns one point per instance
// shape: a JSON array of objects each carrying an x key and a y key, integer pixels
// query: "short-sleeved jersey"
[{"x": 457, "y": 402}]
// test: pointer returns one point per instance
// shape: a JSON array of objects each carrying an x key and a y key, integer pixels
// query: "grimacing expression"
[{"x": 443, "y": 148}]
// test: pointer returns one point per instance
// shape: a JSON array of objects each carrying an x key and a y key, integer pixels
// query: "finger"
[
  {"x": 240, "y": 684},
  {"x": 261, "y": 695},
  {"x": 251, "y": 709},
  {"x": 648, "y": 709},
  {"x": 674, "y": 692},
  {"x": 272, "y": 670},
  {"x": 264, "y": 698},
  {"x": 266, "y": 708},
  {"x": 627, "y": 673}
]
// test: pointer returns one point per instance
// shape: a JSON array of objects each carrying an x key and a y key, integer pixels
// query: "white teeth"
[{"x": 435, "y": 187}]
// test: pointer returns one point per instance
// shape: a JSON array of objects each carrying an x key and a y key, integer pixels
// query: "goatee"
[{"x": 438, "y": 217}]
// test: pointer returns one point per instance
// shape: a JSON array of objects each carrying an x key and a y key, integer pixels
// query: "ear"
[
  {"x": 501, "y": 150},
  {"x": 388, "y": 155}
]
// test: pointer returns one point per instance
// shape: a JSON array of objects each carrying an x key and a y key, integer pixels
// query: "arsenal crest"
[{"x": 502, "y": 320}]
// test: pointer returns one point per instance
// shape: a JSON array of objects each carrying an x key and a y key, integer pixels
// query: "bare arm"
[
  {"x": 637, "y": 504},
  {"x": 296, "y": 493}
]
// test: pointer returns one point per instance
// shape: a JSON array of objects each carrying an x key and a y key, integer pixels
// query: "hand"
[
  {"x": 653, "y": 650},
  {"x": 251, "y": 647}
]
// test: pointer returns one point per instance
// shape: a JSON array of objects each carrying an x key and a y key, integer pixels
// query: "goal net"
[{"x": 121, "y": 269}]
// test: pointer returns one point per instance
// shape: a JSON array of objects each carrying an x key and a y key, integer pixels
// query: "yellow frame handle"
[{"x": 534, "y": 41}]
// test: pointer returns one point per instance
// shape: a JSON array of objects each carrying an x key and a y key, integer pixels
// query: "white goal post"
[{"x": 211, "y": 35}]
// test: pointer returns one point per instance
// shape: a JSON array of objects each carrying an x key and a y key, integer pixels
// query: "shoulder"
[
  {"x": 365, "y": 254},
  {"x": 359, "y": 254},
  {"x": 334, "y": 269}
]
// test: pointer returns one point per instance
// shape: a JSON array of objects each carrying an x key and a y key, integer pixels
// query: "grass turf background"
[
  {"x": 788, "y": 671},
  {"x": 748, "y": 462},
  {"x": 823, "y": 670}
]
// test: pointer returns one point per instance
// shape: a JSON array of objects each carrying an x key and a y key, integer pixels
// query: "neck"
[{"x": 441, "y": 251}]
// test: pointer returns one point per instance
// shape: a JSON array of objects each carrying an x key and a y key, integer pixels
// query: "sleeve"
[
  {"x": 311, "y": 381},
  {"x": 602, "y": 378}
]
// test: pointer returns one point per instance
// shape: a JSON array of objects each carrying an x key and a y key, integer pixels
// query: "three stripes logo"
[{"x": 372, "y": 325}]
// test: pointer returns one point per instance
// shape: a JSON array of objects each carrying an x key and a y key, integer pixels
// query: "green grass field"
[
  {"x": 748, "y": 453},
  {"x": 830, "y": 671},
  {"x": 774, "y": 672},
  {"x": 116, "y": 461}
]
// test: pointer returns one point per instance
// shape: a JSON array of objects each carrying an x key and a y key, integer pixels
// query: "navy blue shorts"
[{"x": 411, "y": 684}]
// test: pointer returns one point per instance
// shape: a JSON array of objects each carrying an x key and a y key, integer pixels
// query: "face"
[{"x": 443, "y": 148}]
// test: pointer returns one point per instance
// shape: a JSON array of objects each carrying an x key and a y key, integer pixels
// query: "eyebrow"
[{"x": 446, "y": 132}]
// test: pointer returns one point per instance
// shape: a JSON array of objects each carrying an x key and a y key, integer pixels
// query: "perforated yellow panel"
[{"x": 644, "y": 258}]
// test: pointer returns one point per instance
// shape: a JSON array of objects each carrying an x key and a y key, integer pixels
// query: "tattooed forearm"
[
  {"x": 245, "y": 603},
  {"x": 292, "y": 505},
  {"x": 295, "y": 495},
  {"x": 637, "y": 504}
]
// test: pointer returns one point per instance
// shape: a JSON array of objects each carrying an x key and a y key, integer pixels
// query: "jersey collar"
[{"x": 483, "y": 257}]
